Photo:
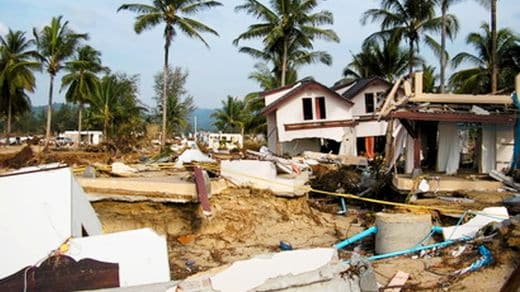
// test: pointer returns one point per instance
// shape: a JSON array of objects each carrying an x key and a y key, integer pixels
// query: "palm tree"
[
  {"x": 288, "y": 28},
  {"x": 385, "y": 59},
  {"x": 232, "y": 116},
  {"x": 492, "y": 6},
  {"x": 445, "y": 4},
  {"x": 408, "y": 20},
  {"x": 56, "y": 43},
  {"x": 81, "y": 79},
  {"x": 17, "y": 62},
  {"x": 478, "y": 79},
  {"x": 114, "y": 106},
  {"x": 173, "y": 13}
]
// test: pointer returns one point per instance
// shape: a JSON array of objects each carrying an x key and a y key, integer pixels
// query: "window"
[
  {"x": 369, "y": 103},
  {"x": 307, "y": 108},
  {"x": 320, "y": 108}
]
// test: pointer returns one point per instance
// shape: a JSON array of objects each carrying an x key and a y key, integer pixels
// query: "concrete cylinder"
[{"x": 400, "y": 231}]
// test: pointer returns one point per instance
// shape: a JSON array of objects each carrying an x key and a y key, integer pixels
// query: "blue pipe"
[
  {"x": 485, "y": 259},
  {"x": 410, "y": 250},
  {"x": 359, "y": 236}
]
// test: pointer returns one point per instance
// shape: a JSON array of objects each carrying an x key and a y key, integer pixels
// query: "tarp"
[{"x": 450, "y": 146}]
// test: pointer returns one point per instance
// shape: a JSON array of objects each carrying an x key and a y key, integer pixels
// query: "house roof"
[
  {"x": 358, "y": 85},
  {"x": 302, "y": 85}
]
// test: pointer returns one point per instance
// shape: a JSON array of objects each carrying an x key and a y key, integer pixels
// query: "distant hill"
[{"x": 204, "y": 120}]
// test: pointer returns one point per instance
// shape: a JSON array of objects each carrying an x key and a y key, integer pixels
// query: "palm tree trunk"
[
  {"x": 9, "y": 117},
  {"x": 444, "y": 9},
  {"x": 165, "y": 94},
  {"x": 494, "y": 68},
  {"x": 410, "y": 56},
  {"x": 105, "y": 121},
  {"x": 284, "y": 62},
  {"x": 49, "y": 112},
  {"x": 80, "y": 110}
]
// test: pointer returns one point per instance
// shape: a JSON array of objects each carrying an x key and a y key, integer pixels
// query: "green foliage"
[
  {"x": 287, "y": 29},
  {"x": 56, "y": 43},
  {"x": 17, "y": 63},
  {"x": 384, "y": 59},
  {"x": 115, "y": 108},
  {"x": 408, "y": 20},
  {"x": 81, "y": 80},
  {"x": 180, "y": 104},
  {"x": 240, "y": 116},
  {"x": 477, "y": 79}
]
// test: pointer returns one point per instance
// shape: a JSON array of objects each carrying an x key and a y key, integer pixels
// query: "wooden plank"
[
  {"x": 462, "y": 98},
  {"x": 317, "y": 125},
  {"x": 63, "y": 273},
  {"x": 385, "y": 109},
  {"x": 447, "y": 183},
  {"x": 397, "y": 281},
  {"x": 202, "y": 190},
  {"x": 418, "y": 83},
  {"x": 506, "y": 119}
]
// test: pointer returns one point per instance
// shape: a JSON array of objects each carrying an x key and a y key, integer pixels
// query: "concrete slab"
[
  {"x": 142, "y": 254},
  {"x": 262, "y": 175},
  {"x": 158, "y": 189}
]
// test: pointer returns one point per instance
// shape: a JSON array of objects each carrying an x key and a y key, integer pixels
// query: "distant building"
[{"x": 87, "y": 137}]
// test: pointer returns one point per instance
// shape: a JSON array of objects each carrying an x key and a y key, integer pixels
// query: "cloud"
[{"x": 3, "y": 28}]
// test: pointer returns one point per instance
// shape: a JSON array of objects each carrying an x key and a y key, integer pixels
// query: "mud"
[
  {"x": 24, "y": 157},
  {"x": 245, "y": 223}
]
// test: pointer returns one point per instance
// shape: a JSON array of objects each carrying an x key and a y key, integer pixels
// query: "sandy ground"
[{"x": 245, "y": 223}]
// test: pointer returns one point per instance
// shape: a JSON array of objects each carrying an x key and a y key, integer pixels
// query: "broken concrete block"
[
  {"x": 316, "y": 269},
  {"x": 142, "y": 254},
  {"x": 400, "y": 231},
  {"x": 262, "y": 175},
  {"x": 191, "y": 155},
  {"x": 90, "y": 172},
  {"x": 121, "y": 169},
  {"x": 470, "y": 228}
]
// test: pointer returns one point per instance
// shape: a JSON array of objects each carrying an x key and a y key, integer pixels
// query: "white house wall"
[
  {"x": 359, "y": 107},
  {"x": 272, "y": 97},
  {"x": 371, "y": 128},
  {"x": 292, "y": 112}
]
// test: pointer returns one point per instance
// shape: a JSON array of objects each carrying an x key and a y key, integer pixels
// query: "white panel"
[
  {"x": 488, "y": 148},
  {"x": 505, "y": 144},
  {"x": 82, "y": 213},
  {"x": 450, "y": 146},
  {"x": 35, "y": 216},
  {"x": 371, "y": 128},
  {"x": 142, "y": 255}
]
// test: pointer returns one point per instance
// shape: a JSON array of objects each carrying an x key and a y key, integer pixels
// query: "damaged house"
[
  {"x": 442, "y": 135},
  {"x": 310, "y": 116}
]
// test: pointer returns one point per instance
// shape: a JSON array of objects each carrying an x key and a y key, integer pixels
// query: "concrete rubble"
[{"x": 263, "y": 175}]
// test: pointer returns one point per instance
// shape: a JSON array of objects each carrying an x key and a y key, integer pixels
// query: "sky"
[{"x": 221, "y": 70}]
